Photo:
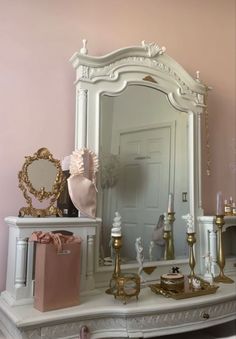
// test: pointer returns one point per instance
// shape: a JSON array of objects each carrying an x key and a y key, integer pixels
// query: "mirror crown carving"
[
  {"x": 149, "y": 57},
  {"x": 153, "y": 49},
  {"x": 30, "y": 189}
]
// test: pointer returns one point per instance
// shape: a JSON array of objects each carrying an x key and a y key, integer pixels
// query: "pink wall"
[{"x": 37, "y": 96}]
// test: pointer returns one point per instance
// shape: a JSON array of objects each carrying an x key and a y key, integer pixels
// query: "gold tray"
[{"x": 187, "y": 292}]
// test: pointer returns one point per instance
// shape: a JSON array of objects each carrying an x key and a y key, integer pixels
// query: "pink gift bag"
[{"x": 57, "y": 276}]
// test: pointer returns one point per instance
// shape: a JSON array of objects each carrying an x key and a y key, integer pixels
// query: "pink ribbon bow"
[{"x": 58, "y": 239}]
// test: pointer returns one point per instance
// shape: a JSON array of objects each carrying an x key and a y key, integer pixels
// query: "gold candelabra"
[
  {"x": 220, "y": 252},
  {"x": 168, "y": 237},
  {"x": 191, "y": 240}
]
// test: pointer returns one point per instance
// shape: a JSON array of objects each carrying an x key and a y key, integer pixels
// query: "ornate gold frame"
[{"x": 26, "y": 186}]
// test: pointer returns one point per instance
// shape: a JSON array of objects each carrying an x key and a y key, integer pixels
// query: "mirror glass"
[
  {"x": 42, "y": 174},
  {"x": 143, "y": 156}
]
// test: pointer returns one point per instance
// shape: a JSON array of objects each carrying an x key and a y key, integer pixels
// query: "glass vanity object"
[
  {"x": 125, "y": 286},
  {"x": 41, "y": 181},
  {"x": 141, "y": 112}
]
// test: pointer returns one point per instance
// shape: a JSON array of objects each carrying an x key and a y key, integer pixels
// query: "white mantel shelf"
[
  {"x": 49, "y": 221},
  {"x": 151, "y": 315}
]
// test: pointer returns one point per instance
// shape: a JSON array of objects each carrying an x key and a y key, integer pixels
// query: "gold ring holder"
[{"x": 220, "y": 252}]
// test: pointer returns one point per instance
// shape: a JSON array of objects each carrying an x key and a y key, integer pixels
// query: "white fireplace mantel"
[{"x": 20, "y": 264}]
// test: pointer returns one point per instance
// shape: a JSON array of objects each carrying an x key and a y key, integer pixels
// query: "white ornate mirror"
[{"x": 141, "y": 112}]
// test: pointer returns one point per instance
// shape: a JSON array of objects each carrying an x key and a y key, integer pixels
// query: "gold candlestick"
[
  {"x": 191, "y": 240},
  {"x": 113, "y": 285},
  {"x": 168, "y": 237},
  {"x": 117, "y": 244},
  {"x": 171, "y": 219},
  {"x": 220, "y": 252},
  {"x": 122, "y": 285}
]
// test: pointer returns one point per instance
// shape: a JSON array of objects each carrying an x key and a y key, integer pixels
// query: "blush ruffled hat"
[{"x": 82, "y": 181}]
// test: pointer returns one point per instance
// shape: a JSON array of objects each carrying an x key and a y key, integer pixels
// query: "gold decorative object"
[
  {"x": 220, "y": 252},
  {"x": 168, "y": 237},
  {"x": 122, "y": 285},
  {"x": 172, "y": 281},
  {"x": 149, "y": 78},
  {"x": 187, "y": 292},
  {"x": 41, "y": 181},
  {"x": 191, "y": 240},
  {"x": 149, "y": 269}
]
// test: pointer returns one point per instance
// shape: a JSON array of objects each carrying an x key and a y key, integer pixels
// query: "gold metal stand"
[
  {"x": 168, "y": 237},
  {"x": 191, "y": 240},
  {"x": 220, "y": 252}
]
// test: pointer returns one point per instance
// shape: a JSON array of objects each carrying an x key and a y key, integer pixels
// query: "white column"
[
  {"x": 90, "y": 261},
  {"x": 81, "y": 119},
  {"x": 213, "y": 251},
  {"x": 191, "y": 138},
  {"x": 21, "y": 262},
  {"x": 199, "y": 161}
]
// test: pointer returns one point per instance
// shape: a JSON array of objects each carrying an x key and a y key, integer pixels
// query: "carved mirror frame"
[
  {"x": 149, "y": 65},
  {"x": 41, "y": 194}
]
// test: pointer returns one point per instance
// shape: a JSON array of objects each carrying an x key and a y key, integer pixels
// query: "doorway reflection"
[{"x": 143, "y": 154}]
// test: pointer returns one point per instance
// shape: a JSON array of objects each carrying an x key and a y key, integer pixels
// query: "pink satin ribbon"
[{"x": 57, "y": 239}]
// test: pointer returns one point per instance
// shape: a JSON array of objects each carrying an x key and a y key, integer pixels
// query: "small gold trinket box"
[{"x": 172, "y": 281}]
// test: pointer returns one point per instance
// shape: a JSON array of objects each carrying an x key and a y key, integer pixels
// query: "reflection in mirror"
[
  {"x": 41, "y": 181},
  {"x": 143, "y": 154},
  {"x": 42, "y": 173}
]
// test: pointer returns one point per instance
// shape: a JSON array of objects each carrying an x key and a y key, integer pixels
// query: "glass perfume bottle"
[
  {"x": 234, "y": 209},
  {"x": 227, "y": 207}
]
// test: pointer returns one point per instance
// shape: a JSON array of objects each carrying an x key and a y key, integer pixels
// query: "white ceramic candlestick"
[
  {"x": 189, "y": 220},
  {"x": 116, "y": 226}
]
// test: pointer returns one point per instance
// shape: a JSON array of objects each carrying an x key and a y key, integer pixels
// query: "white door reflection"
[
  {"x": 144, "y": 176},
  {"x": 146, "y": 140}
]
